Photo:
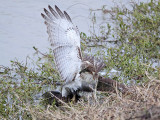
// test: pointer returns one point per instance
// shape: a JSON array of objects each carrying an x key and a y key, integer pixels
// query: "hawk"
[{"x": 77, "y": 71}]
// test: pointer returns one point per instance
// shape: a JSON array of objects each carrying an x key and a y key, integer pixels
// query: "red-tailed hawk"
[{"x": 78, "y": 72}]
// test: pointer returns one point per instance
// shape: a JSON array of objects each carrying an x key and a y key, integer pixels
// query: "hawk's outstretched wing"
[
  {"x": 65, "y": 40},
  {"x": 98, "y": 64}
]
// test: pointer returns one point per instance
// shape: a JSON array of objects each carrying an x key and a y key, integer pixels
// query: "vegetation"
[
  {"x": 136, "y": 37},
  {"x": 135, "y": 55}
]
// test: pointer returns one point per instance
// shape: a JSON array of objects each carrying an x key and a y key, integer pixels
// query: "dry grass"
[{"x": 141, "y": 102}]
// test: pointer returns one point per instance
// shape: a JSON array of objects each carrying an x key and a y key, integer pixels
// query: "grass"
[
  {"x": 139, "y": 103},
  {"x": 134, "y": 54}
]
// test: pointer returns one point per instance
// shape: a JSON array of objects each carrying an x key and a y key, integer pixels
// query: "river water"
[{"x": 22, "y": 27}]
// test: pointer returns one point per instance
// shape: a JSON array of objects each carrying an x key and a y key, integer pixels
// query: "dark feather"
[
  {"x": 46, "y": 18},
  {"x": 100, "y": 66},
  {"x": 53, "y": 12},
  {"x": 79, "y": 53},
  {"x": 48, "y": 14},
  {"x": 46, "y": 23},
  {"x": 59, "y": 12},
  {"x": 67, "y": 16},
  {"x": 98, "y": 63},
  {"x": 88, "y": 58}
]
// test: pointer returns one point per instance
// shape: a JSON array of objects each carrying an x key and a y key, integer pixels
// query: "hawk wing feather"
[
  {"x": 65, "y": 40},
  {"x": 97, "y": 63}
]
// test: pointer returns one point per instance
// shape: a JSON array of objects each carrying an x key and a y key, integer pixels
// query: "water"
[{"x": 21, "y": 26}]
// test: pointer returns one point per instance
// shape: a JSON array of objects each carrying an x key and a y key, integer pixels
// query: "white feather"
[{"x": 65, "y": 40}]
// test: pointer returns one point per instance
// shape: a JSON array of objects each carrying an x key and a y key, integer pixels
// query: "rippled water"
[{"x": 21, "y": 26}]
